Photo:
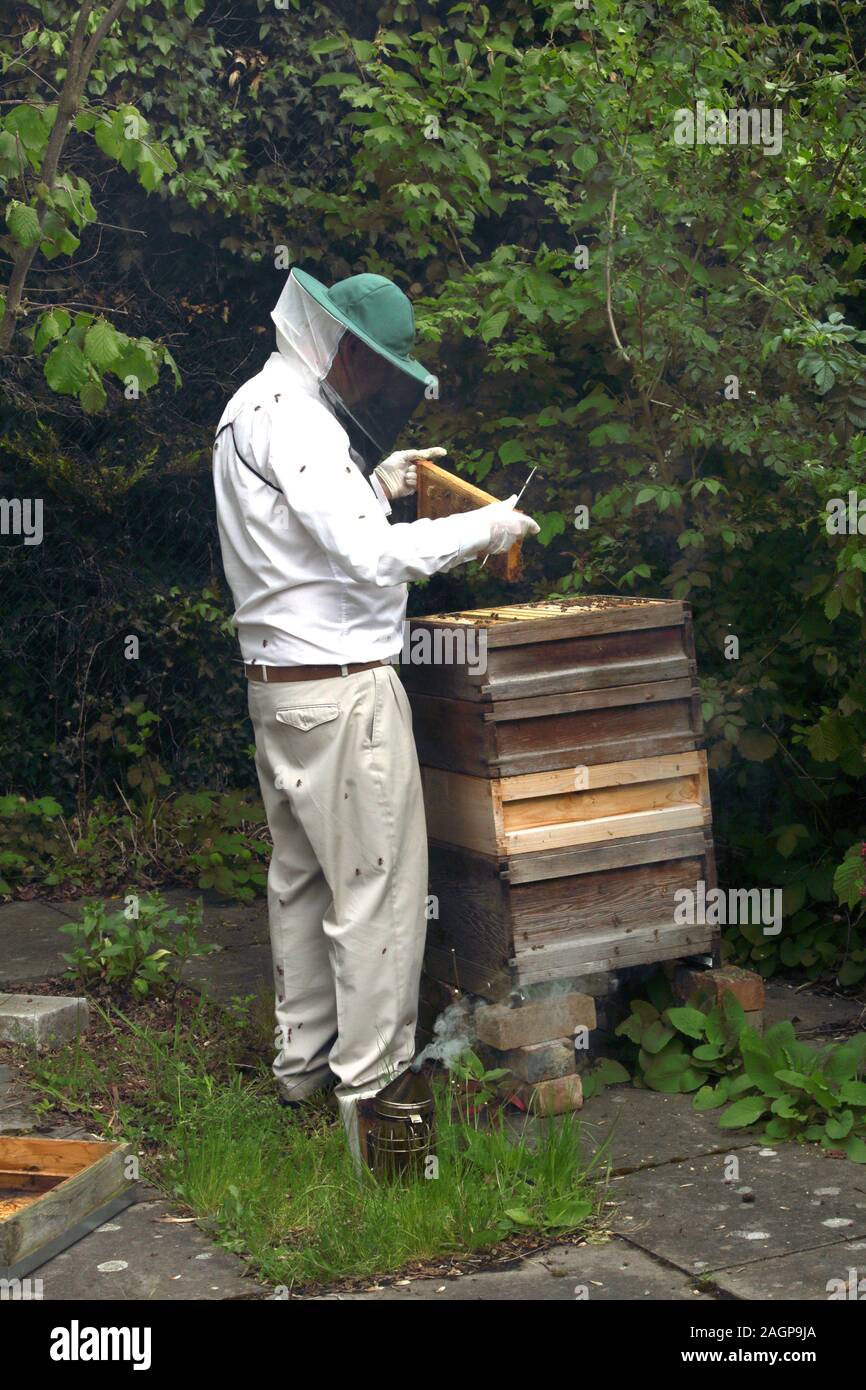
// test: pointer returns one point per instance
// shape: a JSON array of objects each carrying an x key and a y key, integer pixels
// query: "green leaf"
[
  {"x": 23, "y": 222},
  {"x": 743, "y": 1112},
  {"x": 612, "y": 1073},
  {"x": 839, "y": 1126},
  {"x": 688, "y": 1021},
  {"x": 656, "y": 1037},
  {"x": 103, "y": 344},
  {"x": 520, "y": 1216},
  {"x": 493, "y": 324},
  {"x": 568, "y": 1213},
  {"x": 51, "y": 326},
  {"x": 92, "y": 396},
  {"x": 512, "y": 451},
  {"x": 755, "y": 746},
  {"x": 711, "y": 1097},
  {"x": 66, "y": 369},
  {"x": 584, "y": 158},
  {"x": 32, "y": 125},
  {"x": 853, "y": 1092}
]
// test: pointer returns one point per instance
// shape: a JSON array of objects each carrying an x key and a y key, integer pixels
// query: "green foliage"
[
  {"x": 29, "y": 840},
  {"x": 214, "y": 840},
  {"x": 470, "y": 152},
  {"x": 678, "y": 1050},
  {"x": 283, "y": 1193},
  {"x": 138, "y": 954},
  {"x": 470, "y": 1069},
  {"x": 605, "y": 1072},
  {"x": 801, "y": 1092},
  {"x": 795, "y": 1091}
]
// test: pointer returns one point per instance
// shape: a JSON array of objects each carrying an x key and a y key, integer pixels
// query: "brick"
[
  {"x": 556, "y": 1097},
  {"x": 535, "y": 1062},
  {"x": 712, "y": 985},
  {"x": 536, "y": 1021},
  {"x": 755, "y": 1019},
  {"x": 42, "y": 1019}
]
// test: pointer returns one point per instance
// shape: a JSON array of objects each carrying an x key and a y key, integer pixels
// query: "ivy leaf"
[{"x": 551, "y": 524}]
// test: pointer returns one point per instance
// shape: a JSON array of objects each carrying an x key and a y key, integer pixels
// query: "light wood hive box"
[{"x": 565, "y": 788}]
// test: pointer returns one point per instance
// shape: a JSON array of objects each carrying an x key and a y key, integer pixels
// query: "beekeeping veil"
[{"x": 354, "y": 340}]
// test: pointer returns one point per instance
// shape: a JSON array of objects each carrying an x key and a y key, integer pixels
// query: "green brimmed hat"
[{"x": 376, "y": 311}]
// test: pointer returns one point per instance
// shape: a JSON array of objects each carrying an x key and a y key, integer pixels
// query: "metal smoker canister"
[{"x": 401, "y": 1136}]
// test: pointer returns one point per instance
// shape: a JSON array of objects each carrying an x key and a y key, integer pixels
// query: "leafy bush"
[
  {"x": 215, "y": 840},
  {"x": 679, "y": 1049},
  {"x": 796, "y": 1091},
  {"x": 138, "y": 955}
]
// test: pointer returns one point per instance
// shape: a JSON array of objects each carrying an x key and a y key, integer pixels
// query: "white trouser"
[{"x": 347, "y": 882}]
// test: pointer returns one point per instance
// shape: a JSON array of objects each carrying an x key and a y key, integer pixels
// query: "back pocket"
[{"x": 306, "y": 717}]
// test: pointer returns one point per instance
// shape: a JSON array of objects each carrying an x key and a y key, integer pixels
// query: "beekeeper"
[{"x": 318, "y": 577}]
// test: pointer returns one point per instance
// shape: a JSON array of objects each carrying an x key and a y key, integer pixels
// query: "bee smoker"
[{"x": 400, "y": 1136}]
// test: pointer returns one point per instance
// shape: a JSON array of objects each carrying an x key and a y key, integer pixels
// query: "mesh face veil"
[{"x": 355, "y": 380}]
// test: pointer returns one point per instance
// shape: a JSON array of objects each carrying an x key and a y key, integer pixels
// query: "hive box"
[
  {"x": 53, "y": 1192},
  {"x": 554, "y": 685},
  {"x": 566, "y": 792}
]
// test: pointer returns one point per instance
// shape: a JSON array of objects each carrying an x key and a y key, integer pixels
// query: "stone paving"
[{"x": 695, "y": 1213}]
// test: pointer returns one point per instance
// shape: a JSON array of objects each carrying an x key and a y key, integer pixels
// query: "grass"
[{"x": 280, "y": 1190}]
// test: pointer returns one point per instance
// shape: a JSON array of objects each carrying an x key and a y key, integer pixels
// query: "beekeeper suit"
[{"x": 318, "y": 576}]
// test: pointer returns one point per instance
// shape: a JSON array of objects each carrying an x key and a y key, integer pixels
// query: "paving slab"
[
  {"x": 564, "y": 1274},
  {"x": 646, "y": 1128},
  {"x": 228, "y": 973},
  {"x": 836, "y": 1272},
  {"x": 30, "y": 942},
  {"x": 142, "y": 1254},
  {"x": 808, "y": 1008},
  {"x": 783, "y": 1200},
  {"x": 227, "y": 924}
]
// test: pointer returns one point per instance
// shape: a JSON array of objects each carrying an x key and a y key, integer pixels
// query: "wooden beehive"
[
  {"x": 53, "y": 1192},
  {"x": 566, "y": 793}
]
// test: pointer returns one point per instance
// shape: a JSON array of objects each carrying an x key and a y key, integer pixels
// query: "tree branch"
[{"x": 81, "y": 60}]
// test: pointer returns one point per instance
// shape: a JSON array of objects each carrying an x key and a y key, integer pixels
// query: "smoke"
[{"x": 452, "y": 1034}]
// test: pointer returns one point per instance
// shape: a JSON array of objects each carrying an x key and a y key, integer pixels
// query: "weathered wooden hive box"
[
  {"x": 53, "y": 1192},
  {"x": 565, "y": 788}
]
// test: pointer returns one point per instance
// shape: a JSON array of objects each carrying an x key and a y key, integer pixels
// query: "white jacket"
[{"x": 317, "y": 573}]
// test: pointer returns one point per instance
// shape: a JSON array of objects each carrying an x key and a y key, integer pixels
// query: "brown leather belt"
[{"x": 307, "y": 673}]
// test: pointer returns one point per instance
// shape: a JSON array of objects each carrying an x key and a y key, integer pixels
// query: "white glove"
[
  {"x": 398, "y": 474},
  {"x": 505, "y": 525}
]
